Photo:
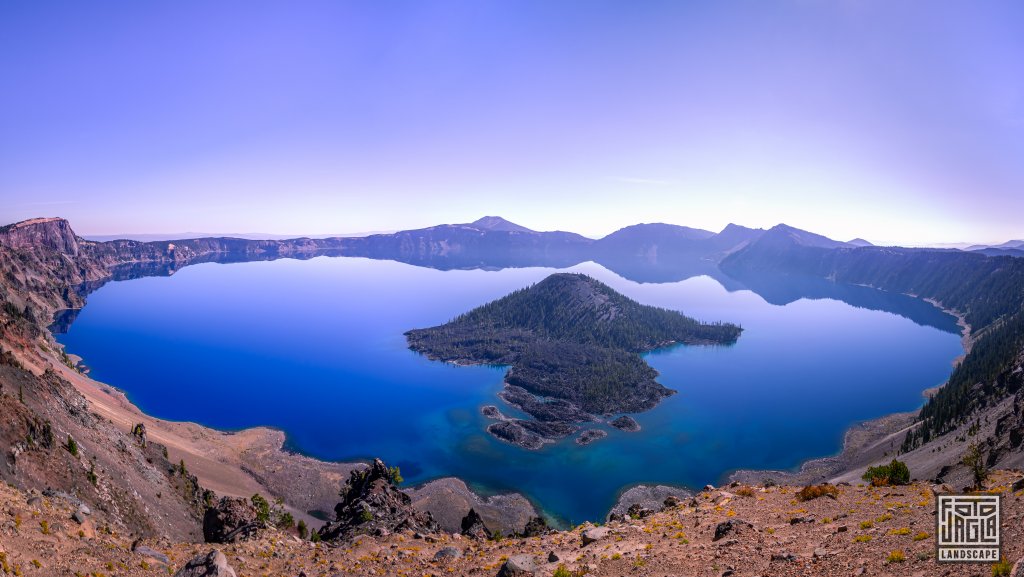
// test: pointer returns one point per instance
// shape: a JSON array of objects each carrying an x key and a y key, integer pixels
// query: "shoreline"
[
  {"x": 253, "y": 460},
  {"x": 864, "y": 443},
  {"x": 258, "y": 460}
]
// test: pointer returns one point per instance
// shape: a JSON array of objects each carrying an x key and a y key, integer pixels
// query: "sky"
[{"x": 899, "y": 122}]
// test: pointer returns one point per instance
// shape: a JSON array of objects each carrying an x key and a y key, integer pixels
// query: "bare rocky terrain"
[{"x": 738, "y": 530}]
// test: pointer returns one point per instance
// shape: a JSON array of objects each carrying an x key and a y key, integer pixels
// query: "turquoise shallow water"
[{"x": 315, "y": 348}]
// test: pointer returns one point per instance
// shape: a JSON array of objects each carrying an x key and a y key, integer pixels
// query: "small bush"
[
  {"x": 315, "y": 537},
  {"x": 303, "y": 530},
  {"x": 895, "y": 473},
  {"x": 72, "y": 446},
  {"x": 562, "y": 571},
  {"x": 365, "y": 516},
  {"x": 862, "y": 538},
  {"x": 396, "y": 475},
  {"x": 901, "y": 531},
  {"x": 44, "y": 526},
  {"x": 866, "y": 524},
  {"x": 921, "y": 536},
  {"x": 811, "y": 492},
  {"x": 745, "y": 492},
  {"x": 262, "y": 507},
  {"x": 896, "y": 557},
  {"x": 1002, "y": 568}
]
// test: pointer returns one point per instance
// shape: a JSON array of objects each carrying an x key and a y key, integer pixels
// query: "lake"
[{"x": 315, "y": 348}]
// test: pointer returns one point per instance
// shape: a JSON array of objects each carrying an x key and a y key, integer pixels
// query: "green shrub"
[
  {"x": 1002, "y": 568},
  {"x": 262, "y": 508},
  {"x": 974, "y": 459},
  {"x": 895, "y": 473},
  {"x": 72, "y": 446},
  {"x": 396, "y": 475},
  {"x": 303, "y": 530}
]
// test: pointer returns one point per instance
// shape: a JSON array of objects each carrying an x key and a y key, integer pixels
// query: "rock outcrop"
[
  {"x": 473, "y": 526},
  {"x": 371, "y": 504},
  {"x": 231, "y": 520},
  {"x": 626, "y": 423},
  {"x": 536, "y": 527}
]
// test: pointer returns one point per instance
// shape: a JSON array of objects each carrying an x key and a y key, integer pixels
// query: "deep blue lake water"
[{"x": 315, "y": 348}]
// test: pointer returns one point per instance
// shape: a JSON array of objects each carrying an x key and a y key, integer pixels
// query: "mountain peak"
[
  {"x": 860, "y": 242},
  {"x": 803, "y": 237},
  {"x": 496, "y": 223}
]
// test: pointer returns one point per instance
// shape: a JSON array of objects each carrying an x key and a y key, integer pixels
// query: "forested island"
[{"x": 574, "y": 345}]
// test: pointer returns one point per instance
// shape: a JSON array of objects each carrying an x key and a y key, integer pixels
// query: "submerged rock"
[{"x": 371, "y": 504}]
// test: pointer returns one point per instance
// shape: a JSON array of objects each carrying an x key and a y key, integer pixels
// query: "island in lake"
[{"x": 574, "y": 346}]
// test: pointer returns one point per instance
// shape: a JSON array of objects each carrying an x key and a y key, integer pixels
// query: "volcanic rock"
[{"x": 371, "y": 504}]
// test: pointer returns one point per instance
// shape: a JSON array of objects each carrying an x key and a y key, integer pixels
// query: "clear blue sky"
[{"x": 898, "y": 121}]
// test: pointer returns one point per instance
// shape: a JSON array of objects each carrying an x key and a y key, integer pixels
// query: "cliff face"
[
  {"x": 48, "y": 233},
  {"x": 47, "y": 266}
]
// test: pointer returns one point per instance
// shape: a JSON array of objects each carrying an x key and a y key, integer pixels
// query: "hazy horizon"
[{"x": 901, "y": 124}]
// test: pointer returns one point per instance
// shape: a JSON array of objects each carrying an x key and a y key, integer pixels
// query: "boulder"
[
  {"x": 728, "y": 527},
  {"x": 231, "y": 520},
  {"x": 672, "y": 501},
  {"x": 473, "y": 526},
  {"x": 594, "y": 534},
  {"x": 447, "y": 554},
  {"x": 213, "y": 564},
  {"x": 518, "y": 566},
  {"x": 784, "y": 556},
  {"x": 149, "y": 553}
]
